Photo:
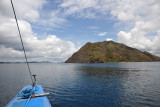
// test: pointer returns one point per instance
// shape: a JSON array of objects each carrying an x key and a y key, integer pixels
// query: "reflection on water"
[
  {"x": 110, "y": 84},
  {"x": 102, "y": 71}
]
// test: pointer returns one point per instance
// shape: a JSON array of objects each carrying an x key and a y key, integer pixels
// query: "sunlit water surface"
[{"x": 92, "y": 85}]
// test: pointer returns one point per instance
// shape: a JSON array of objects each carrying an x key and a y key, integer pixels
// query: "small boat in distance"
[{"x": 31, "y": 95}]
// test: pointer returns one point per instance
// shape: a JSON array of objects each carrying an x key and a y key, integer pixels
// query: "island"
[{"x": 110, "y": 51}]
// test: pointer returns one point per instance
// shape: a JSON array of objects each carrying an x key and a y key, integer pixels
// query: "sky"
[{"x": 52, "y": 30}]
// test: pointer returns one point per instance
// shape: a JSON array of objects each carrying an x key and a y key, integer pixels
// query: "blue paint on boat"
[{"x": 41, "y": 101}]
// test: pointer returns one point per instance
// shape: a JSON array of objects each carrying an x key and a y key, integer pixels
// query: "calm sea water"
[{"x": 87, "y": 85}]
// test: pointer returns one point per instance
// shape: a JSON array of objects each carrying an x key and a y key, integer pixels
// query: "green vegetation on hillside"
[{"x": 109, "y": 51}]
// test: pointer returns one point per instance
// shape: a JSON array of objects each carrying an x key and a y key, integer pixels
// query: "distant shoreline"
[
  {"x": 24, "y": 62},
  {"x": 67, "y": 63}
]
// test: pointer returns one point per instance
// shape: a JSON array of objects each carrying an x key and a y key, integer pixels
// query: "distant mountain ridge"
[{"x": 109, "y": 51}]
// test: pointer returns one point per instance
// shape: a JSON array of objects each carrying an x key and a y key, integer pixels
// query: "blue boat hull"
[{"x": 34, "y": 102}]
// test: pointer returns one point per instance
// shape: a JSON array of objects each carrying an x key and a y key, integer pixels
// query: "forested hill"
[{"x": 109, "y": 51}]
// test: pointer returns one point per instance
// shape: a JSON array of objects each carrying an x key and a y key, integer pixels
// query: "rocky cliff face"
[{"x": 109, "y": 51}]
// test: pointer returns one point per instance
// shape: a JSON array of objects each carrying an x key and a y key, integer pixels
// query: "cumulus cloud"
[
  {"x": 102, "y": 34},
  {"x": 109, "y": 39},
  {"x": 26, "y": 9},
  {"x": 51, "y": 48},
  {"x": 144, "y": 33},
  {"x": 140, "y": 17}
]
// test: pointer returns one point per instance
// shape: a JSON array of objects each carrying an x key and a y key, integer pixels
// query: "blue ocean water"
[{"x": 87, "y": 85}]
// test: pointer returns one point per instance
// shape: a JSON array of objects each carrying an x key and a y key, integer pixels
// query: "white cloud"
[
  {"x": 123, "y": 36},
  {"x": 25, "y": 9},
  {"x": 54, "y": 19},
  {"x": 80, "y": 8},
  {"x": 139, "y": 19},
  {"x": 102, "y": 34},
  {"x": 51, "y": 48},
  {"x": 146, "y": 25},
  {"x": 10, "y": 55},
  {"x": 109, "y": 39}
]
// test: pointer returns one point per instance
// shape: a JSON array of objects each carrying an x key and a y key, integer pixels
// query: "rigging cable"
[{"x": 22, "y": 42}]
